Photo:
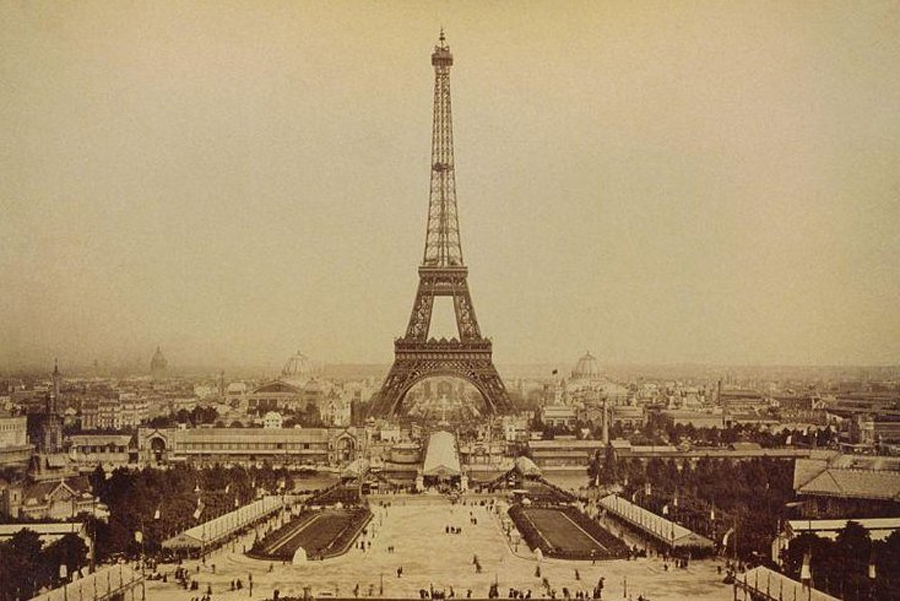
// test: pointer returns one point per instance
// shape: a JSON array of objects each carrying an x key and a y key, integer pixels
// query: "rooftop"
[{"x": 441, "y": 458}]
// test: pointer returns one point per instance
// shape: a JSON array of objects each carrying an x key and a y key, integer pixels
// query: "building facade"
[
  {"x": 14, "y": 446},
  {"x": 49, "y": 500},
  {"x": 107, "y": 450},
  {"x": 294, "y": 447},
  {"x": 126, "y": 410}
]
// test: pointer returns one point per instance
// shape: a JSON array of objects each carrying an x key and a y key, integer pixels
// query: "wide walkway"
[{"x": 430, "y": 557}]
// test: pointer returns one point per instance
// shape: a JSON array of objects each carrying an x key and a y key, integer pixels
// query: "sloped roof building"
[
  {"x": 840, "y": 485},
  {"x": 441, "y": 458}
]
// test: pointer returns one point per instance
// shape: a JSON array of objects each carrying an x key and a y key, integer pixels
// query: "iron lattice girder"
[
  {"x": 415, "y": 361},
  {"x": 442, "y": 273},
  {"x": 450, "y": 281},
  {"x": 442, "y": 242}
]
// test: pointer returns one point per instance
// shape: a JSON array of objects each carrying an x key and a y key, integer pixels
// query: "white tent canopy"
[
  {"x": 441, "y": 458},
  {"x": 224, "y": 525},
  {"x": 355, "y": 468},
  {"x": 662, "y": 529},
  {"x": 527, "y": 467},
  {"x": 770, "y": 584}
]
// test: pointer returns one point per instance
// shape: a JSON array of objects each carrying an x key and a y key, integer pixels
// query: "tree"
[
  {"x": 69, "y": 551},
  {"x": 818, "y": 549},
  {"x": 610, "y": 464},
  {"x": 595, "y": 467},
  {"x": 854, "y": 541},
  {"x": 162, "y": 421},
  {"x": 311, "y": 417},
  {"x": 887, "y": 563},
  {"x": 22, "y": 561},
  {"x": 854, "y": 549},
  {"x": 204, "y": 415},
  {"x": 97, "y": 480}
]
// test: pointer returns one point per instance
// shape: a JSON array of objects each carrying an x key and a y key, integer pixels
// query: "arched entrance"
[
  {"x": 158, "y": 449},
  {"x": 416, "y": 360},
  {"x": 393, "y": 397},
  {"x": 345, "y": 448},
  {"x": 444, "y": 399}
]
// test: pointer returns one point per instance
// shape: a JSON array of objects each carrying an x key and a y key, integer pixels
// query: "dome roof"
[
  {"x": 586, "y": 368},
  {"x": 298, "y": 366},
  {"x": 158, "y": 362}
]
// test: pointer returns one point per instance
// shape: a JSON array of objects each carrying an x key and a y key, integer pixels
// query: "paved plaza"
[{"x": 411, "y": 534}]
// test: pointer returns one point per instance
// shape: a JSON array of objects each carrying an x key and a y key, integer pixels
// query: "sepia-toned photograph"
[{"x": 241, "y": 248}]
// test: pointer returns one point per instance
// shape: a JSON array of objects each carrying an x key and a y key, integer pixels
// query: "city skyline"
[{"x": 656, "y": 184}]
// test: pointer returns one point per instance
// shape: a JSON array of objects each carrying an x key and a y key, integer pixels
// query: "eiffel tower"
[{"x": 442, "y": 273}]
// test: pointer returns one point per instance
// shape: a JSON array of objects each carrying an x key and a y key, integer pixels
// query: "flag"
[
  {"x": 647, "y": 489},
  {"x": 725, "y": 538},
  {"x": 666, "y": 509},
  {"x": 227, "y": 488},
  {"x": 872, "y": 570},
  {"x": 199, "y": 509},
  {"x": 712, "y": 514},
  {"x": 156, "y": 514},
  {"x": 805, "y": 573},
  {"x": 139, "y": 536}
]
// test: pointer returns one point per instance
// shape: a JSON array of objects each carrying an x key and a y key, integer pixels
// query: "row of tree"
[
  {"x": 711, "y": 496},
  {"x": 658, "y": 430},
  {"x": 197, "y": 416},
  {"x": 27, "y": 566},
  {"x": 851, "y": 567},
  {"x": 308, "y": 417},
  {"x": 161, "y": 503}
]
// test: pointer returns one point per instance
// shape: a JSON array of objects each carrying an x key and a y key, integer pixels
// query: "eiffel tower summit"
[{"x": 442, "y": 273}]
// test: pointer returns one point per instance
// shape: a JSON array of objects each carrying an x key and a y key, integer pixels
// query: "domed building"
[
  {"x": 158, "y": 365},
  {"x": 299, "y": 369},
  {"x": 587, "y": 384},
  {"x": 586, "y": 370}
]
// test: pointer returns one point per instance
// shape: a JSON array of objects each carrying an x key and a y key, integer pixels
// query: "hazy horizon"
[
  {"x": 559, "y": 369},
  {"x": 658, "y": 183}
]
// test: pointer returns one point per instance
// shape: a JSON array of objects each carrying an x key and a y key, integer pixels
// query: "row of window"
[
  {"x": 102, "y": 449},
  {"x": 246, "y": 446}
]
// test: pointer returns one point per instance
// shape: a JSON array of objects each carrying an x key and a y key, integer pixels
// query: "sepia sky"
[{"x": 658, "y": 182}]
